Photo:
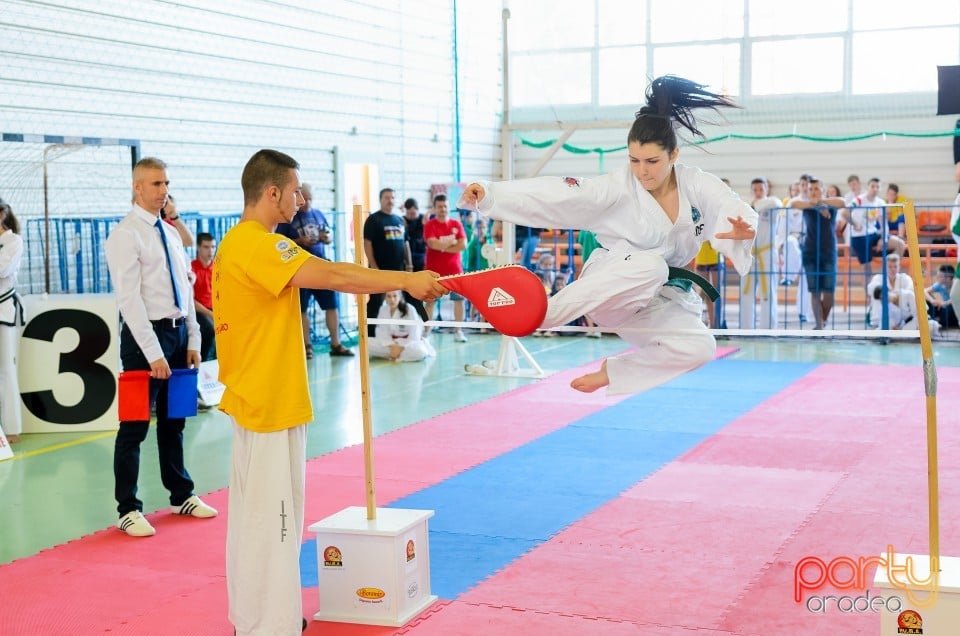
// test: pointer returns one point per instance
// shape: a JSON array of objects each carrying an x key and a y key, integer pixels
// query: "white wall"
[{"x": 203, "y": 85}]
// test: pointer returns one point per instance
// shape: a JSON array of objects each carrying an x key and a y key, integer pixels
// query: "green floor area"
[{"x": 60, "y": 485}]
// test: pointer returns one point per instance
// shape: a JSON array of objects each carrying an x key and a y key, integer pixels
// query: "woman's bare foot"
[
  {"x": 592, "y": 381},
  {"x": 13, "y": 439}
]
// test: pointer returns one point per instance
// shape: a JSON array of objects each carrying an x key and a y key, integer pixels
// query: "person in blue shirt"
[{"x": 309, "y": 229}]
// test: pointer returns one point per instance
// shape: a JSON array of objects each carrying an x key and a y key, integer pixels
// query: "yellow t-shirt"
[
  {"x": 706, "y": 256},
  {"x": 894, "y": 213},
  {"x": 259, "y": 338}
]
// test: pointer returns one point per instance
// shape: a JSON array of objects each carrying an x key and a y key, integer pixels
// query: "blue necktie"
[{"x": 166, "y": 250}]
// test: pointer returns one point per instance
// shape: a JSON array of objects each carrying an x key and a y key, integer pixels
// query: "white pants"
[
  {"x": 10, "y": 415},
  {"x": 760, "y": 282},
  {"x": 624, "y": 291},
  {"x": 896, "y": 313},
  {"x": 793, "y": 267},
  {"x": 412, "y": 352},
  {"x": 264, "y": 531}
]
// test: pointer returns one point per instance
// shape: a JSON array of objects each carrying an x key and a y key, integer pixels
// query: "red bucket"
[{"x": 133, "y": 393}]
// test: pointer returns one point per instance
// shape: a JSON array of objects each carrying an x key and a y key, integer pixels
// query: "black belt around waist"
[
  {"x": 681, "y": 274},
  {"x": 169, "y": 323}
]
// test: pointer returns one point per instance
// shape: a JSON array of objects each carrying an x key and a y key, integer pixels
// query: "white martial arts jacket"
[
  {"x": 11, "y": 251},
  {"x": 624, "y": 215}
]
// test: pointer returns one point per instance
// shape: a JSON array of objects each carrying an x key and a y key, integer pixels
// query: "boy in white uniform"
[
  {"x": 647, "y": 216},
  {"x": 901, "y": 300},
  {"x": 761, "y": 281}
]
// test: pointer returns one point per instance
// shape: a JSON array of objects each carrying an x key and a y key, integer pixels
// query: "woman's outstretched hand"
[{"x": 741, "y": 230}]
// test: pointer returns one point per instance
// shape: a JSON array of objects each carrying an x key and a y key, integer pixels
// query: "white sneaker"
[
  {"x": 194, "y": 507},
  {"x": 593, "y": 334},
  {"x": 459, "y": 337},
  {"x": 136, "y": 525}
]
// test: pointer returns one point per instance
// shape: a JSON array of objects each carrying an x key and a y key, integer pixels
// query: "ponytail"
[
  {"x": 9, "y": 219},
  {"x": 672, "y": 99}
]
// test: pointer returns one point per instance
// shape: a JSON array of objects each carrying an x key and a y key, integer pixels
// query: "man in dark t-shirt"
[
  {"x": 385, "y": 246},
  {"x": 820, "y": 248},
  {"x": 414, "y": 224}
]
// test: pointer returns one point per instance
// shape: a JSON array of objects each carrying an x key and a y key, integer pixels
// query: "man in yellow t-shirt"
[{"x": 256, "y": 310}]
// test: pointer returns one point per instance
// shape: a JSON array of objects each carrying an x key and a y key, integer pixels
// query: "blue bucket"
[{"x": 182, "y": 393}]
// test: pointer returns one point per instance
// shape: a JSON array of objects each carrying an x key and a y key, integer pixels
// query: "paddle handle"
[{"x": 364, "y": 370}]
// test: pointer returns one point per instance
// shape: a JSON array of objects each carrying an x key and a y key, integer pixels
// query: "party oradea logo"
[{"x": 813, "y": 576}]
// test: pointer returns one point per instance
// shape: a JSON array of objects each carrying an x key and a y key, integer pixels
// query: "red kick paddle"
[{"x": 511, "y": 298}]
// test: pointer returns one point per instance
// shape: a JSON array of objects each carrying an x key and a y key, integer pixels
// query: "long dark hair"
[
  {"x": 9, "y": 219},
  {"x": 673, "y": 99}
]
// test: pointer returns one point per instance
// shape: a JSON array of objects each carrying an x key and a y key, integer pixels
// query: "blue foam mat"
[{"x": 493, "y": 513}]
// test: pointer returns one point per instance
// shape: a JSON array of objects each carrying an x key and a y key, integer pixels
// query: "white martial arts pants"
[
  {"x": 10, "y": 415},
  {"x": 760, "y": 282},
  {"x": 896, "y": 313},
  {"x": 264, "y": 531},
  {"x": 412, "y": 352},
  {"x": 624, "y": 291},
  {"x": 793, "y": 267}
]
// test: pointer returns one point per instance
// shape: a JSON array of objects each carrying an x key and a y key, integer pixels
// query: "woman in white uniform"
[
  {"x": 649, "y": 215},
  {"x": 401, "y": 343},
  {"x": 11, "y": 320}
]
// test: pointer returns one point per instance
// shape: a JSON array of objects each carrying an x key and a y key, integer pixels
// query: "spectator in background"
[
  {"x": 399, "y": 342},
  {"x": 11, "y": 320},
  {"x": 150, "y": 274},
  {"x": 901, "y": 302},
  {"x": 868, "y": 227},
  {"x": 792, "y": 192},
  {"x": 414, "y": 227},
  {"x": 819, "y": 249},
  {"x": 309, "y": 229},
  {"x": 170, "y": 215},
  {"x": 854, "y": 194},
  {"x": 546, "y": 271},
  {"x": 446, "y": 239},
  {"x": 833, "y": 191},
  {"x": 386, "y": 248},
  {"x": 761, "y": 281},
  {"x": 527, "y": 240},
  {"x": 791, "y": 257},
  {"x": 709, "y": 263},
  {"x": 202, "y": 267},
  {"x": 938, "y": 297},
  {"x": 895, "y": 217},
  {"x": 474, "y": 259}
]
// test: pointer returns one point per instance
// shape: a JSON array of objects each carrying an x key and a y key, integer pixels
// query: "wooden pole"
[
  {"x": 364, "y": 369},
  {"x": 929, "y": 383}
]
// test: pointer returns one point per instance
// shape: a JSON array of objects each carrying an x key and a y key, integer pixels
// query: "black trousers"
[
  {"x": 126, "y": 451},
  {"x": 208, "y": 344}
]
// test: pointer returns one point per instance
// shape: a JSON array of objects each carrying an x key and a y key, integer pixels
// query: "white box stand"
[
  {"x": 373, "y": 572},
  {"x": 941, "y": 616}
]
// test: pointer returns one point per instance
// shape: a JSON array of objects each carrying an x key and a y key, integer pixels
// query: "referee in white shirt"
[{"x": 150, "y": 276}]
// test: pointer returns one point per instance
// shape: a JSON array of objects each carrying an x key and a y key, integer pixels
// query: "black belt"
[
  {"x": 681, "y": 274},
  {"x": 169, "y": 323}
]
